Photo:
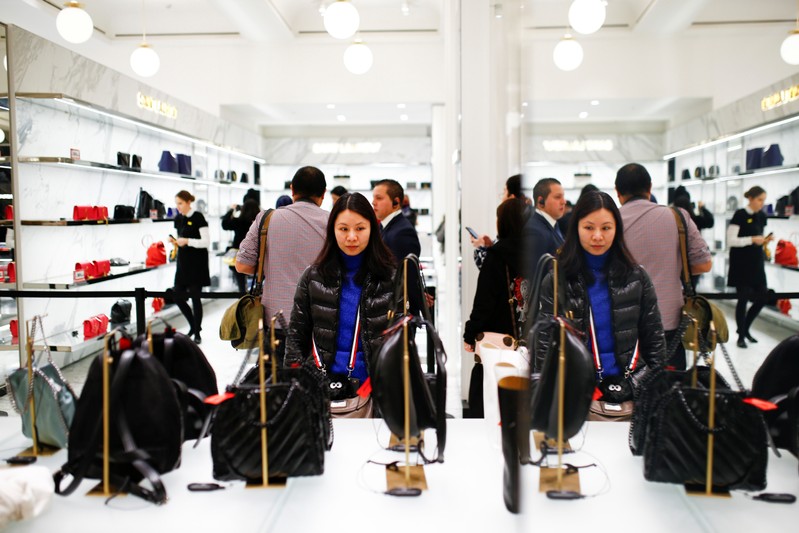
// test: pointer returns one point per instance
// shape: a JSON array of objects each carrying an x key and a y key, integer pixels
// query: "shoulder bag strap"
[
  {"x": 512, "y": 299},
  {"x": 258, "y": 280},
  {"x": 688, "y": 288}
]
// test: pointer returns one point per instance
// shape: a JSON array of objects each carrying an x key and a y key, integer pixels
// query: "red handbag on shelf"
[
  {"x": 94, "y": 326},
  {"x": 9, "y": 212},
  {"x": 785, "y": 253},
  {"x": 158, "y": 304},
  {"x": 156, "y": 254},
  {"x": 102, "y": 267},
  {"x": 14, "y": 327},
  {"x": 82, "y": 212},
  {"x": 100, "y": 212},
  {"x": 84, "y": 271},
  {"x": 11, "y": 272}
]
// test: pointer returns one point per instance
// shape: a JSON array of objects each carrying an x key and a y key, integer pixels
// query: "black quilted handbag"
[
  {"x": 676, "y": 444},
  {"x": 146, "y": 426},
  {"x": 295, "y": 446},
  {"x": 649, "y": 392}
]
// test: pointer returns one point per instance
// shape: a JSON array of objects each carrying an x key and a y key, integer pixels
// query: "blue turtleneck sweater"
[
  {"x": 347, "y": 311},
  {"x": 601, "y": 306}
]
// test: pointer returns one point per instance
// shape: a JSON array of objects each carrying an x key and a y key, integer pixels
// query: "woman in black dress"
[
  {"x": 747, "y": 261},
  {"x": 239, "y": 225},
  {"x": 192, "y": 274}
]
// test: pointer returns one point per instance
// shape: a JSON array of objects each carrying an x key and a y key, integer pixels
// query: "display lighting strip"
[
  {"x": 740, "y": 176},
  {"x": 731, "y": 137},
  {"x": 73, "y": 103}
]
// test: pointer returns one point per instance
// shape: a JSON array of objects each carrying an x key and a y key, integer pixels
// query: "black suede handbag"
[
  {"x": 580, "y": 375},
  {"x": 677, "y": 440},
  {"x": 146, "y": 426}
]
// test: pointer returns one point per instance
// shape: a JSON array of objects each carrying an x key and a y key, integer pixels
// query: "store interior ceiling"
[{"x": 270, "y": 63}]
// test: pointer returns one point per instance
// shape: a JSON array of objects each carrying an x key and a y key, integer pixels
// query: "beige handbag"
[
  {"x": 610, "y": 412},
  {"x": 357, "y": 407}
]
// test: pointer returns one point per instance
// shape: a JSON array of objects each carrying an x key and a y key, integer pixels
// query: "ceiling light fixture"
[
  {"x": 405, "y": 8},
  {"x": 403, "y": 117},
  {"x": 789, "y": 51},
  {"x": 594, "y": 102},
  {"x": 583, "y": 114},
  {"x": 568, "y": 54},
  {"x": 144, "y": 60},
  {"x": 341, "y": 118},
  {"x": 341, "y": 19},
  {"x": 74, "y": 24},
  {"x": 400, "y": 106},
  {"x": 358, "y": 58},
  {"x": 331, "y": 106},
  {"x": 587, "y": 16}
]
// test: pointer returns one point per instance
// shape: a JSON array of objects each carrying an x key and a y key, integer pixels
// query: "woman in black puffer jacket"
[
  {"x": 349, "y": 288},
  {"x": 611, "y": 298}
]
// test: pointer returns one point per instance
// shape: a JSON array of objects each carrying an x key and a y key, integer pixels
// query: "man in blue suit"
[
  {"x": 541, "y": 231},
  {"x": 399, "y": 235}
]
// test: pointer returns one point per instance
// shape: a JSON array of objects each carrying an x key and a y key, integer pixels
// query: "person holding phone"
[
  {"x": 191, "y": 274},
  {"x": 747, "y": 271},
  {"x": 481, "y": 243}
]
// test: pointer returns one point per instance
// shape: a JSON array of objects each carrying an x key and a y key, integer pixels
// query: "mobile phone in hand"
[{"x": 472, "y": 232}]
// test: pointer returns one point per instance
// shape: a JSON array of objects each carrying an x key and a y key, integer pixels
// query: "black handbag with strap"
[{"x": 146, "y": 426}]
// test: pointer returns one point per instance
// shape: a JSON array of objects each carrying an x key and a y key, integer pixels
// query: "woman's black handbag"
[
  {"x": 146, "y": 426},
  {"x": 120, "y": 311},
  {"x": 124, "y": 212},
  {"x": 677, "y": 440},
  {"x": 144, "y": 204},
  {"x": 651, "y": 389},
  {"x": 297, "y": 422}
]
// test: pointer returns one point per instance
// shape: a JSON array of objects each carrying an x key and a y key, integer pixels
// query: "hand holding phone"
[{"x": 472, "y": 232}]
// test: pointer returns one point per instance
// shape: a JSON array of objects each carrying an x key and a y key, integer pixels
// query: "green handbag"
[{"x": 54, "y": 399}]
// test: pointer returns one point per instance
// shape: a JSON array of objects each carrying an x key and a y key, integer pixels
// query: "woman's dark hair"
[
  {"x": 511, "y": 216},
  {"x": 572, "y": 257},
  {"x": 338, "y": 190},
  {"x": 754, "y": 192},
  {"x": 378, "y": 260},
  {"x": 249, "y": 210},
  {"x": 514, "y": 186},
  {"x": 186, "y": 196},
  {"x": 588, "y": 188}
]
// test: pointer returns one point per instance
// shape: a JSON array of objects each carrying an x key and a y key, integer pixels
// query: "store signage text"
[
  {"x": 156, "y": 106},
  {"x": 780, "y": 98},
  {"x": 593, "y": 145},
  {"x": 346, "y": 148}
]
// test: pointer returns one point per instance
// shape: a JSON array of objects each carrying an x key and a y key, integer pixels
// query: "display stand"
[
  {"x": 37, "y": 448},
  {"x": 413, "y": 481},
  {"x": 709, "y": 489},
  {"x": 266, "y": 481},
  {"x": 551, "y": 480},
  {"x": 105, "y": 488}
]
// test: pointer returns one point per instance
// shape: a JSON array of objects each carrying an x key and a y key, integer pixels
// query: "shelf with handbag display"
[{"x": 69, "y": 282}]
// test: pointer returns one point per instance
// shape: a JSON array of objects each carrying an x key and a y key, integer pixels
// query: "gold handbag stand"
[
  {"x": 407, "y": 480},
  {"x": 37, "y": 448},
  {"x": 104, "y": 488},
  {"x": 555, "y": 479},
  {"x": 266, "y": 481},
  {"x": 709, "y": 489}
]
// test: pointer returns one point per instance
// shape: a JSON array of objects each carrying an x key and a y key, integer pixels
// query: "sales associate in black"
[{"x": 191, "y": 274}]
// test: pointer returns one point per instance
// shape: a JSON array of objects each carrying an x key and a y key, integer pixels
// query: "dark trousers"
[
  {"x": 744, "y": 318},
  {"x": 181, "y": 295},
  {"x": 677, "y": 358},
  {"x": 241, "y": 280}
]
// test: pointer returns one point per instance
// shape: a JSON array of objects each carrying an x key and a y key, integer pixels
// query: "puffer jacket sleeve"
[
  {"x": 650, "y": 329},
  {"x": 547, "y": 304},
  {"x": 298, "y": 340}
]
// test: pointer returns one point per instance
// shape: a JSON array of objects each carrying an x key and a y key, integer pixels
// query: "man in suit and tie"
[
  {"x": 399, "y": 235},
  {"x": 541, "y": 231}
]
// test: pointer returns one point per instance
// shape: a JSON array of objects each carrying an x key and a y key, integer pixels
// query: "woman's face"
[
  {"x": 597, "y": 231},
  {"x": 183, "y": 206},
  {"x": 352, "y": 232},
  {"x": 756, "y": 203}
]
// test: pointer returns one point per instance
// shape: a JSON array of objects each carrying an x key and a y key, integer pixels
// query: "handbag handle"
[
  {"x": 696, "y": 422},
  {"x": 416, "y": 279}
]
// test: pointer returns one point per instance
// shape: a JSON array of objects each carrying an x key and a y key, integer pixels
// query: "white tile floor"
[{"x": 226, "y": 360}]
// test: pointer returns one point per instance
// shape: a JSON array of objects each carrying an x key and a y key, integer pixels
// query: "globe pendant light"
[
  {"x": 790, "y": 48},
  {"x": 144, "y": 60},
  {"x": 341, "y": 19},
  {"x": 587, "y": 16},
  {"x": 74, "y": 24},
  {"x": 568, "y": 54},
  {"x": 358, "y": 58}
]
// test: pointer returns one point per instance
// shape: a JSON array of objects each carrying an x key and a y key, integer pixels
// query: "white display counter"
[{"x": 465, "y": 493}]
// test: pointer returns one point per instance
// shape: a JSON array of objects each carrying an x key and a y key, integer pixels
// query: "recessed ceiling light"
[
  {"x": 341, "y": 118},
  {"x": 524, "y": 104},
  {"x": 594, "y": 102},
  {"x": 400, "y": 106},
  {"x": 403, "y": 117},
  {"x": 583, "y": 114},
  {"x": 331, "y": 106}
]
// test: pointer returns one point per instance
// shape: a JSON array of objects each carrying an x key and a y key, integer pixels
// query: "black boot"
[{"x": 514, "y": 401}]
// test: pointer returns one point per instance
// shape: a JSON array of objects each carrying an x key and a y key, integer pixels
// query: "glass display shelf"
[
  {"x": 732, "y": 177},
  {"x": 110, "y": 221},
  {"x": 67, "y": 281}
]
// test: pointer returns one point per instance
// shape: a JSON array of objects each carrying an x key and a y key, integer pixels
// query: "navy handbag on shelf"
[
  {"x": 168, "y": 162},
  {"x": 184, "y": 164},
  {"x": 772, "y": 157},
  {"x": 754, "y": 158}
]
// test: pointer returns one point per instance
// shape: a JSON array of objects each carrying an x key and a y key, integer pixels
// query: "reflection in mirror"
[{"x": 9, "y": 354}]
